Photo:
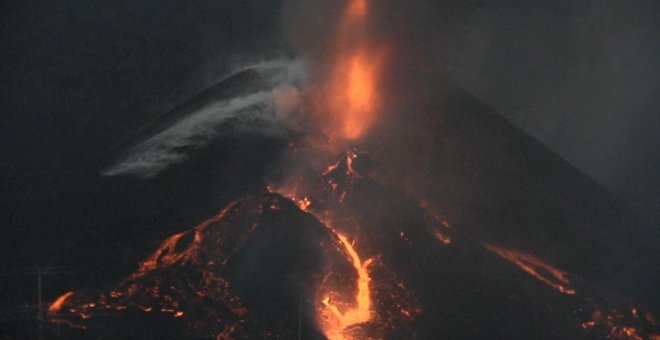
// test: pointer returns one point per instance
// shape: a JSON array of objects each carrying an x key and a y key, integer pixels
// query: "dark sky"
[
  {"x": 580, "y": 76},
  {"x": 77, "y": 77}
]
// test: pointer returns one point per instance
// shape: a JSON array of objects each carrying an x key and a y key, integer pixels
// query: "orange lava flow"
[
  {"x": 57, "y": 304},
  {"x": 351, "y": 95},
  {"x": 337, "y": 322},
  {"x": 167, "y": 255},
  {"x": 544, "y": 272},
  {"x": 438, "y": 227},
  {"x": 336, "y": 317}
]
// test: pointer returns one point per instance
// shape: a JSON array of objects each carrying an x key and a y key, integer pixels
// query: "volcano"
[
  {"x": 346, "y": 206},
  {"x": 496, "y": 237}
]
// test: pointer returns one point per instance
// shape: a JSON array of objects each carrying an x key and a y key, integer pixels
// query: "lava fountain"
[
  {"x": 350, "y": 95},
  {"x": 350, "y": 100}
]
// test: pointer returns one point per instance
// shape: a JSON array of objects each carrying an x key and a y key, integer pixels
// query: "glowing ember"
[
  {"x": 57, "y": 304},
  {"x": 535, "y": 267},
  {"x": 616, "y": 325},
  {"x": 444, "y": 239},
  {"x": 304, "y": 204}
]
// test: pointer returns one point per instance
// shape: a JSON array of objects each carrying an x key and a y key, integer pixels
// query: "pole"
[{"x": 40, "y": 314}]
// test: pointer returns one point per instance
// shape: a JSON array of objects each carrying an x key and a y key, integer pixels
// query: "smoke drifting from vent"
[{"x": 267, "y": 109}]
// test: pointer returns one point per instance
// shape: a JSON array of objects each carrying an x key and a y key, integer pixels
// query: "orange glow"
[
  {"x": 57, "y": 305},
  {"x": 167, "y": 253},
  {"x": 337, "y": 316},
  {"x": 351, "y": 94},
  {"x": 358, "y": 101},
  {"x": 436, "y": 225},
  {"x": 444, "y": 239},
  {"x": 357, "y": 8},
  {"x": 336, "y": 321},
  {"x": 537, "y": 268},
  {"x": 304, "y": 204},
  {"x": 164, "y": 254},
  {"x": 616, "y": 326}
]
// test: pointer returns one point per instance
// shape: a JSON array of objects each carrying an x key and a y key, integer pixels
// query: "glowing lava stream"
[
  {"x": 358, "y": 314},
  {"x": 535, "y": 267},
  {"x": 57, "y": 305},
  {"x": 332, "y": 321}
]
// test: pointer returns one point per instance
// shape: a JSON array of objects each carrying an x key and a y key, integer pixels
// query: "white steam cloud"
[{"x": 266, "y": 108}]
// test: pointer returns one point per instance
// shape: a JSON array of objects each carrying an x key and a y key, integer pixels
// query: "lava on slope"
[
  {"x": 342, "y": 256},
  {"x": 247, "y": 272},
  {"x": 457, "y": 282},
  {"x": 450, "y": 240},
  {"x": 252, "y": 271}
]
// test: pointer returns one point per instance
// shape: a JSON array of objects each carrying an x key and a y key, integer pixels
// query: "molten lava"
[
  {"x": 544, "y": 272},
  {"x": 435, "y": 224},
  {"x": 334, "y": 321},
  {"x": 57, "y": 304},
  {"x": 374, "y": 299}
]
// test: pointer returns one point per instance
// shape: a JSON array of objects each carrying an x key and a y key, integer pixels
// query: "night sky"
[{"x": 78, "y": 78}]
